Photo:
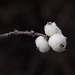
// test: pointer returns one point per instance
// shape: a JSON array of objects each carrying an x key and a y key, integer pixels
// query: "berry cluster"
[{"x": 57, "y": 41}]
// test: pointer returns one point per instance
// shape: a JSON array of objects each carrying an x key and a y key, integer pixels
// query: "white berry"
[
  {"x": 42, "y": 44},
  {"x": 57, "y": 42},
  {"x": 51, "y": 29}
]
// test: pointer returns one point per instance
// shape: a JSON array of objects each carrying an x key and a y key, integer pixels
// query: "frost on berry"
[
  {"x": 42, "y": 44},
  {"x": 51, "y": 29}
]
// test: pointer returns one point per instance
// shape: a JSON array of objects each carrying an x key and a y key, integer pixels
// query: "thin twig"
[{"x": 16, "y": 32}]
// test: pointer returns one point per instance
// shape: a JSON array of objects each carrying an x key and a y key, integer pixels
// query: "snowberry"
[
  {"x": 57, "y": 42},
  {"x": 51, "y": 29},
  {"x": 42, "y": 44}
]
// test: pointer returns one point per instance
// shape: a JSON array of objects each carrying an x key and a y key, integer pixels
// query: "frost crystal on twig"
[{"x": 16, "y": 32}]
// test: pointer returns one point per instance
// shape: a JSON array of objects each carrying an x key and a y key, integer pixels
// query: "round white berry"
[
  {"x": 42, "y": 44},
  {"x": 51, "y": 29},
  {"x": 57, "y": 42}
]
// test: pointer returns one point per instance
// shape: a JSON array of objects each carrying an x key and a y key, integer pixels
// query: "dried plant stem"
[{"x": 16, "y": 32}]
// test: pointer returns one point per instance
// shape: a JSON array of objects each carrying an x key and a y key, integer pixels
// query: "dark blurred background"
[{"x": 18, "y": 54}]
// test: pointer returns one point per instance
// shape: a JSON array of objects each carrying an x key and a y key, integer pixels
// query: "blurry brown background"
[{"x": 18, "y": 54}]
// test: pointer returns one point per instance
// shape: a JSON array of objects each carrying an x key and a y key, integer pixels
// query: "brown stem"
[{"x": 16, "y": 32}]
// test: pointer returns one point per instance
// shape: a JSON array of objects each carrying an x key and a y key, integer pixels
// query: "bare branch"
[{"x": 16, "y": 32}]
